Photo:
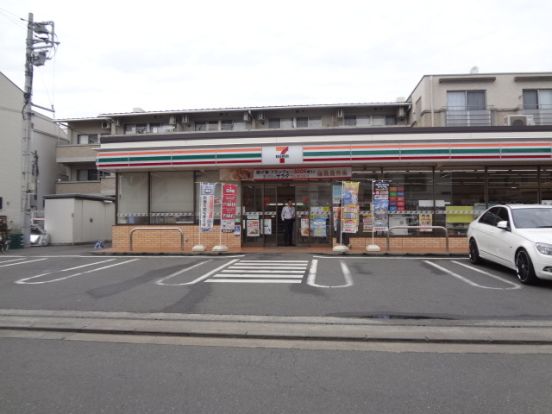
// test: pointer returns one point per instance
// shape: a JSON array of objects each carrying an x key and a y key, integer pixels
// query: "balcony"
[
  {"x": 462, "y": 117},
  {"x": 79, "y": 187},
  {"x": 67, "y": 154},
  {"x": 107, "y": 185}
]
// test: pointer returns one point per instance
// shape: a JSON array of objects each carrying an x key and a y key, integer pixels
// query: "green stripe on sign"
[
  {"x": 124, "y": 159},
  {"x": 527, "y": 150},
  {"x": 194, "y": 157},
  {"x": 377, "y": 152},
  {"x": 326, "y": 153},
  {"x": 252, "y": 155},
  {"x": 425, "y": 151},
  {"x": 158, "y": 158},
  {"x": 475, "y": 151}
]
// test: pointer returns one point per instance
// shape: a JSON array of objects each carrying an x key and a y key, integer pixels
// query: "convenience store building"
[{"x": 457, "y": 145}]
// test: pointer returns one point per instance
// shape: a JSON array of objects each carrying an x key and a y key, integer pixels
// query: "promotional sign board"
[
  {"x": 228, "y": 208},
  {"x": 380, "y": 202},
  {"x": 350, "y": 215},
  {"x": 206, "y": 206},
  {"x": 282, "y": 174}
]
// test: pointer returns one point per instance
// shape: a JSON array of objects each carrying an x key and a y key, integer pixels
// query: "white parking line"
[
  {"x": 25, "y": 281},
  {"x": 12, "y": 260},
  {"x": 253, "y": 281},
  {"x": 205, "y": 276},
  {"x": 161, "y": 282},
  {"x": 463, "y": 279},
  {"x": 509, "y": 282},
  {"x": 26, "y": 261},
  {"x": 262, "y": 270},
  {"x": 311, "y": 279},
  {"x": 86, "y": 265},
  {"x": 224, "y": 275}
]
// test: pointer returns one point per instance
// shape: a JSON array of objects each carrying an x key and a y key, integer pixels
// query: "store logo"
[{"x": 283, "y": 154}]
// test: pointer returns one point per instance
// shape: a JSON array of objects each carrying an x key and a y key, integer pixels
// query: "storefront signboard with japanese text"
[
  {"x": 228, "y": 208},
  {"x": 293, "y": 174}
]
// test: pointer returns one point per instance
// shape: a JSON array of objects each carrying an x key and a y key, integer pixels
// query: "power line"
[{"x": 12, "y": 18}]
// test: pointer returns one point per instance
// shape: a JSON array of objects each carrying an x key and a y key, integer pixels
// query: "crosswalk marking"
[{"x": 261, "y": 271}]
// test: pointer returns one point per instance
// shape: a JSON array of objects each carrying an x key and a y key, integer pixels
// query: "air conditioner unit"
[
  {"x": 340, "y": 114},
  {"x": 260, "y": 116},
  {"x": 172, "y": 120},
  {"x": 520, "y": 120},
  {"x": 106, "y": 124},
  {"x": 246, "y": 116},
  {"x": 186, "y": 119}
]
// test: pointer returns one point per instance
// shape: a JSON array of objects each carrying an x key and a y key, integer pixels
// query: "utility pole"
[{"x": 40, "y": 41}]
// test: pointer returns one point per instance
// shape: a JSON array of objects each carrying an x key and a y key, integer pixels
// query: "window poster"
[
  {"x": 267, "y": 226},
  {"x": 425, "y": 219},
  {"x": 318, "y": 227},
  {"x": 253, "y": 228},
  {"x": 367, "y": 222},
  {"x": 305, "y": 228}
]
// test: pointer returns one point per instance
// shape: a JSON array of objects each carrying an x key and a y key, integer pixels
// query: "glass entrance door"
[{"x": 262, "y": 213}]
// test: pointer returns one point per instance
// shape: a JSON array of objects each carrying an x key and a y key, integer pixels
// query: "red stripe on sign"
[{"x": 546, "y": 157}]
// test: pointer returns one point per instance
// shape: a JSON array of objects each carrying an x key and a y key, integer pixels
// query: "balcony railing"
[
  {"x": 540, "y": 116},
  {"x": 462, "y": 117}
]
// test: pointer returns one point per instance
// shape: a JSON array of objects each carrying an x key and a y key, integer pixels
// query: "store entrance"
[{"x": 262, "y": 213}]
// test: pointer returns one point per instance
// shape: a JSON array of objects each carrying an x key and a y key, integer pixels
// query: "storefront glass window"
[
  {"x": 546, "y": 185},
  {"x": 132, "y": 198},
  {"x": 410, "y": 199},
  {"x": 512, "y": 185},
  {"x": 172, "y": 195},
  {"x": 459, "y": 198}
]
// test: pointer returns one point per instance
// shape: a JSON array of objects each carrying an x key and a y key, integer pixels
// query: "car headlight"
[{"x": 544, "y": 248}]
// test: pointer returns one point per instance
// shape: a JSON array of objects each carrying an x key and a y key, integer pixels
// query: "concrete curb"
[{"x": 281, "y": 328}]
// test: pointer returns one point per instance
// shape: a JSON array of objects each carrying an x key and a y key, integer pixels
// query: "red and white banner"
[{"x": 228, "y": 208}]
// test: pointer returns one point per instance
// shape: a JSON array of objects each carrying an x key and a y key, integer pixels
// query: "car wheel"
[
  {"x": 525, "y": 270},
  {"x": 474, "y": 252}
]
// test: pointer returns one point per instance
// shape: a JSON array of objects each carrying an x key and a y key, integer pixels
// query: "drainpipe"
[{"x": 431, "y": 101}]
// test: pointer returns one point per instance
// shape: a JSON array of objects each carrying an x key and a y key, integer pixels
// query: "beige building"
[
  {"x": 46, "y": 135},
  {"x": 495, "y": 99}
]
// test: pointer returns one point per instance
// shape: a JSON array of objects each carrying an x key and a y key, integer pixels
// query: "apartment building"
[
  {"x": 456, "y": 145},
  {"x": 45, "y": 136}
]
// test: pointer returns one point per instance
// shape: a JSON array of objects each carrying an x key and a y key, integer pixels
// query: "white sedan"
[{"x": 516, "y": 236}]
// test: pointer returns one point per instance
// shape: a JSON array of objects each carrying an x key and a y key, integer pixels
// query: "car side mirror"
[{"x": 503, "y": 225}]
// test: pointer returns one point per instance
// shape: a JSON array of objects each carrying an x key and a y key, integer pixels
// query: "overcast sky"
[{"x": 161, "y": 55}]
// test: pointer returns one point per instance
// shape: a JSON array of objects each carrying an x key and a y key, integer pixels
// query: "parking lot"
[{"x": 286, "y": 285}]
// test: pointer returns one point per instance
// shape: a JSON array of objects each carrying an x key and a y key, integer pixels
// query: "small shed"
[{"x": 78, "y": 218}]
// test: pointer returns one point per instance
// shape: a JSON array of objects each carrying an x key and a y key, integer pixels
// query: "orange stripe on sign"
[{"x": 169, "y": 152}]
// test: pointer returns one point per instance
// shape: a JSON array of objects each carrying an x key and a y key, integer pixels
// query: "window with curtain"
[
  {"x": 171, "y": 197},
  {"x": 132, "y": 198}
]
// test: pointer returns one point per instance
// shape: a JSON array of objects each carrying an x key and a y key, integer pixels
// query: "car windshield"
[{"x": 532, "y": 218}]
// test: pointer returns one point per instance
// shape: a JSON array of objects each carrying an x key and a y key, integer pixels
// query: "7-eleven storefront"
[{"x": 434, "y": 178}]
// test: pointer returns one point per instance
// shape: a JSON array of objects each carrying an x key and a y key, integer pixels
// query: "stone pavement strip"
[{"x": 524, "y": 332}]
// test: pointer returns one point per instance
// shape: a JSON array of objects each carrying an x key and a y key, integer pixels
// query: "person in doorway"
[{"x": 288, "y": 218}]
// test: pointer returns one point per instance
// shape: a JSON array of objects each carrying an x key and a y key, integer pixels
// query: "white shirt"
[{"x": 288, "y": 213}]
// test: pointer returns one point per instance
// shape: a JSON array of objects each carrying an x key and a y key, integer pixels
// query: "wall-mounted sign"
[
  {"x": 282, "y": 174},
  {"x": 283, "y": 155}
]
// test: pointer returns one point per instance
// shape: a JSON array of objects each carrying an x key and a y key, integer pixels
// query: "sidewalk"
[{"x": 281, "y": 328}]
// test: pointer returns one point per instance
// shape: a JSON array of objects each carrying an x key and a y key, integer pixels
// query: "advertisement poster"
[
  {"x": 267, "y": 226},
  {"x": 367, "y": 222},
  {"x": 318, "y": 227},
  {"x": 351, "y": 210},
  {"x": 380, "y": 201},
  {"x": 425, "y": 219},
  {"x": 336, "y": 194},
  {"x": 206, "y": 206},
  {"x": 228, "y": 207},
  {"x": 253, "y": 228},
  {"x": 305, "y": 230},
  {"x": 237, "y": 230}
]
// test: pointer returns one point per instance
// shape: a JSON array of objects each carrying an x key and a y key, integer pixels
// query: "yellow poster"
[{"x": 459, "y": 214}]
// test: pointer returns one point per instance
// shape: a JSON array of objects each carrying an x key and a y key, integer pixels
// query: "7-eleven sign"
[{"x": 283, "y": 155}]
